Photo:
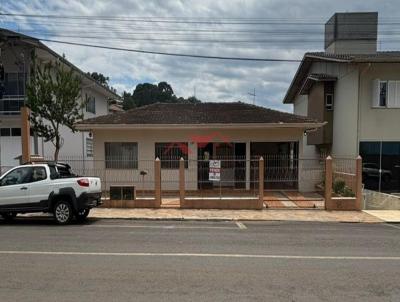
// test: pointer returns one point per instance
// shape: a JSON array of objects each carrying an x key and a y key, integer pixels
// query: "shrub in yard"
[
  {"x": 347, "y": 192},
  {"x": 339, "y": 186}
]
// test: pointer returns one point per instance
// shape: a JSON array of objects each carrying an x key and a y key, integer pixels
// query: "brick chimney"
[{"x": 352, "y": 33}]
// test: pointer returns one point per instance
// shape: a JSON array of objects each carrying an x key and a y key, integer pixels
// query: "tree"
[
  {"x": 53, "y": 97},
  {"x": 102, "y": 80},
  {"x": 99, "y": 77},
  {"x": 146, "y": 94}
]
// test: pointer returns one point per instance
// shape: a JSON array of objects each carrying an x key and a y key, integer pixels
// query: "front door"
[{"x": 14, "y": 187}]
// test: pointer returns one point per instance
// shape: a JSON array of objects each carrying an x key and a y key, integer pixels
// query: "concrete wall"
[
  {"x": 380, "y": 201},
  {"x": 316, "y": 109},
  {"x": 301, "y": 108},
  {"x": 146, "y": 140}
]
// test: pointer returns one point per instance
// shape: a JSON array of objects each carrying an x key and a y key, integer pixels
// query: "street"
[{"x": 125, "y": 260}]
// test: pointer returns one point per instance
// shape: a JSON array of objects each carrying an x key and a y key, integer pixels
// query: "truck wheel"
[
  {"x": 63, "y": 212},
  {"x": 8, "y": 216},
  {"x": 82, "y": 215}
]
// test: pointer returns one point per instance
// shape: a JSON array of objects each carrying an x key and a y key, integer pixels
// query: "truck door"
[{"x": 14, "y": 187}]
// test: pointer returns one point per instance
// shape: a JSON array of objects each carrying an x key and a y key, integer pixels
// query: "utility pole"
[{"x": 253, "y": 94}]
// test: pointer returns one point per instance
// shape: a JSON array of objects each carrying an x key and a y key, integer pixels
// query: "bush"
[
  {"x": 347, "y": 192},
  {"x": 339, "y": 186}
]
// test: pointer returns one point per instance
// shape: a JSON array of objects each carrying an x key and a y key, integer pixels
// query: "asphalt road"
[{"x": 110, "y": 260}]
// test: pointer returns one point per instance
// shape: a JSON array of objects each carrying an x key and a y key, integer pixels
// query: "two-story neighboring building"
[
  {"x": 16, "y": 53},
  {"x": 356, "y": 90}
]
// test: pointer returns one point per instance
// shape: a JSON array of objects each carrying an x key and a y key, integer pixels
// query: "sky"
[{"x": 256, "y": 29}]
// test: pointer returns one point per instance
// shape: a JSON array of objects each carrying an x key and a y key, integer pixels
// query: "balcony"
[{"x": 11, "y": 104}]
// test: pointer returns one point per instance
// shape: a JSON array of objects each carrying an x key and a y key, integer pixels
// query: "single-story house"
[{"x": 125, "y": 145}]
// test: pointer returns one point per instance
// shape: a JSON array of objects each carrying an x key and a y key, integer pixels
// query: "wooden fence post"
[
  {"x": 328, "y": 183},
  {"x": 181, "y": 181},
  {"x": 157, "y": 182},
  {"x": 25, "y": 135},
  {"x": 359, "y": 195},
  {"x": 261, "y": 182}
]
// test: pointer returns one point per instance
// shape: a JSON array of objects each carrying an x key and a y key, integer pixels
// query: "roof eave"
[
  {"x": 291, "y": 94},
  {"x": 305, "y": 125}
]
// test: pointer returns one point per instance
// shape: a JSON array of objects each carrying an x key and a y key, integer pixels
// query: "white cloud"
[{"x": 213, "y": 80}]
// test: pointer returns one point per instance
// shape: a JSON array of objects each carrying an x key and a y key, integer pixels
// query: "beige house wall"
[
  {"x": 378, "y": 124},
  {"x": 354, "y": 117},
  {"x": 146, "y": 140}
]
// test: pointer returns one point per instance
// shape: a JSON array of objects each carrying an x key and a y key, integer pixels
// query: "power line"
[
  {"x": 175, "y": 54},
  {"x": 183, "y": 20}
]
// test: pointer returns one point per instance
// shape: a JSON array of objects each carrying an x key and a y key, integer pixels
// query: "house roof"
[
  {"x": 237, "y": 113},
  {"x": 7, "y": 35},
  {"x": 310, "y": 57},
  {"x": 315, "y": 77}
]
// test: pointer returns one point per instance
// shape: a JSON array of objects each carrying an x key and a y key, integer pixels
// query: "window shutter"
[
  {"x": 375, "y": 93},
  {"x": 392, "y": 94},
  {"x": 397, "y": 103}
]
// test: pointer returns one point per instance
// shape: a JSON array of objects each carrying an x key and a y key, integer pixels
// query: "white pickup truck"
[{"x": 48, "y": 187}]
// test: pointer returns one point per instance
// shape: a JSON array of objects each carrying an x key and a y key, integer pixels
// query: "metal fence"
[
  {"x": 238, "y": 175},
  {"x": 344, "y": 176}
]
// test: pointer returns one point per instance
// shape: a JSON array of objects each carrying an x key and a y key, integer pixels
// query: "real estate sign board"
[{"x": 214, "y": 173}]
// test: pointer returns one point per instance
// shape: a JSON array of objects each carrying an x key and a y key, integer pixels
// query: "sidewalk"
[
  {"x": 263, "y": 215},
  {"x": 385, "y": 215}
]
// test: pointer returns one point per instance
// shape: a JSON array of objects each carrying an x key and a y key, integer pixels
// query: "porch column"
[
  {"x": 328, "y": 183},
  {"x": 182, "y": 181},
  {"x": 359, "y": 194},
  {"x": 157, "y": 182},
  {"x": 261, "y": 182},
  {"x": 248, "y": 166}
]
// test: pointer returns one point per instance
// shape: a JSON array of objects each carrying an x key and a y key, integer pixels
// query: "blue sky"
[{"x": 212, "y": 80}]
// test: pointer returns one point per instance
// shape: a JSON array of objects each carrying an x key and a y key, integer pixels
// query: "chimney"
[{"x": 351, "y": 33}]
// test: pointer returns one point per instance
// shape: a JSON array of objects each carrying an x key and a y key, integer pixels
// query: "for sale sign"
[{"x": 214, "y": 173}]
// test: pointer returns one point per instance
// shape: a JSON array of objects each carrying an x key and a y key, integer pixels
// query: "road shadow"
[{"x": 42, "y": 221}]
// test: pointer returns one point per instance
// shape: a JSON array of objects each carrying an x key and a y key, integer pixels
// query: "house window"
[
  {"x": 121, "y": 155},
  {"x": 171, "y": 153},
  {"x": 90, "y": 104},
  {"x": 329, "y": 101},
  {"x": 383, "y": 93},
  {"x": 14, "y": 83},
  {"x": 5, "y": 132},
  {"x": 89, "y": 147},
  {"x": 15, "y": 131}
]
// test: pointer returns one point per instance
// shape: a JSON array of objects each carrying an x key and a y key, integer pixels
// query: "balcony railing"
[{"x": 11, "y": 104}]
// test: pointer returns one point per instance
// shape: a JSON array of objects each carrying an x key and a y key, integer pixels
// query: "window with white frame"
[
  {"x": 329, "y": 101},
  {"x": 121, "y": 155},
  {"x": 383, "y": 92},
  {"x": 89, "y": 147},
  {"x": 386, "y": 94},
  {"x": 90, "y": 104}
]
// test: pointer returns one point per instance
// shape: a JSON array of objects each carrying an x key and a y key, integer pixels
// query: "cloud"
[{"x": 211, "y": 80}]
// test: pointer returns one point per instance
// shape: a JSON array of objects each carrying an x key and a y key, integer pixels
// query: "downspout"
[{"x": 362, "y": 71}]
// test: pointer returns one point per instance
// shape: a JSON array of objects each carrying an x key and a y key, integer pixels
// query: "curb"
[{"x": 229, "y": 219}]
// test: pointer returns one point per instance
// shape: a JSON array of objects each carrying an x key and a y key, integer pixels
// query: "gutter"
[{"x": 90, "y": 127}]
